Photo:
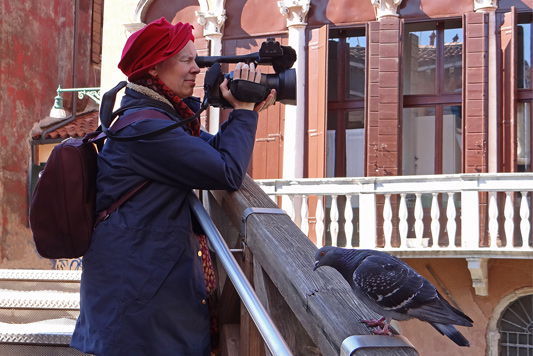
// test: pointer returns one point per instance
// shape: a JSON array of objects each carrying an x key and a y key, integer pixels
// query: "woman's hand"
[{"x": 246, "y": 72}]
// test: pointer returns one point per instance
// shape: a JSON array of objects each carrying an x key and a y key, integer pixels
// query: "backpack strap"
[
  {"x": 103, "y": 215},
  {"x": 120, "y": 124},
  {"x": 107, "y": 115}
]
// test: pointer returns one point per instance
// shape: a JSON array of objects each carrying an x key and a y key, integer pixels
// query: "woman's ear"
[{"x": 153, "y": 72}]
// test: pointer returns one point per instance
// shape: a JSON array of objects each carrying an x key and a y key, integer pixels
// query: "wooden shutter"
[
  {"x": 475, "y": 90},
  {"x": 317, "y": 102},
  {"x": 509, "y": 85},
  {"x": 316, "y": 99}
]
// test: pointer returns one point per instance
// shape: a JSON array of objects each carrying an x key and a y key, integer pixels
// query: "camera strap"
[{"x": 107, "y": 116}]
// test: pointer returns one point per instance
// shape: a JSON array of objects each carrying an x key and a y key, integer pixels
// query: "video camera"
[{"x": 271, "y": 53}]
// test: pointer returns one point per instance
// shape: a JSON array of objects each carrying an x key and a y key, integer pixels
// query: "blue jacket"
[{"x": 142, "y": 288}]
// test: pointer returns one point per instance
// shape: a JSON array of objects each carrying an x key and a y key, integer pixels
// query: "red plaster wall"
[{"x": 36, "y": 45}]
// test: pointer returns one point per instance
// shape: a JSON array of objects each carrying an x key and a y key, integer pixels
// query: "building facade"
[
  {"x": 389, "y": 88},
  {"x": 384, "y": 88}
]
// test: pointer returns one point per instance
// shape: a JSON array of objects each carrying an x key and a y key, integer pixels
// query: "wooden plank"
[
  {"x": 251, "y": 341},
  {"x": 230, "y": 340},
  {"x": 322, "y": 301},
  {"x": 287, "y": 323}
]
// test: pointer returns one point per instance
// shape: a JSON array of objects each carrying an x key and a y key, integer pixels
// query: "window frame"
[
  {"x": 342, "y": 106},
  {"x": 440, "y": 99}
]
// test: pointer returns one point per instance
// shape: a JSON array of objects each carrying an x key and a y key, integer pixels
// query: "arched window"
[{"x": 516, "y": 328}]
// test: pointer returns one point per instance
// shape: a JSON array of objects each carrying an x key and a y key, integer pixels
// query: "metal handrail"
[{"x": 271, "y": 335}]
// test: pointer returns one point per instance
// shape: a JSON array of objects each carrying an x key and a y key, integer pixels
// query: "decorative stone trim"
[
  {"x": 295, "y": 11},
  {"x": 138, "y": 17},
  {"x": 212, "y": 21},
  {"x": 485, "y": 5},
  {"x": 386, "y": 8},
  {"x": 480, "y": 274}
]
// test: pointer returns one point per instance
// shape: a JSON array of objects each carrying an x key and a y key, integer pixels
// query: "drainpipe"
[{"x": 72, "y": 117}]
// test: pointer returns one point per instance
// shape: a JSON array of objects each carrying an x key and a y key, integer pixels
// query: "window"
[
  {"x": 345, "y": 142},
  {"x": 516, "y": 328},
  {"x": 346, "y": 92},
  {"x": 432, "y": 121},
  {"x": 524, "y": 93}
]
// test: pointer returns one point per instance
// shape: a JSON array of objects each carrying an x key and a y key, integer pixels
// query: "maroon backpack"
[{"x": 62, "y": 207}]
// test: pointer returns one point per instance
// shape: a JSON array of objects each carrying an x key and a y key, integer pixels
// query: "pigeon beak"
[{"x": 316, "y": 266}]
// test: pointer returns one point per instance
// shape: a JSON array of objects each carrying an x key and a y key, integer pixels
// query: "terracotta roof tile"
[{"x": 83, "y": 124}]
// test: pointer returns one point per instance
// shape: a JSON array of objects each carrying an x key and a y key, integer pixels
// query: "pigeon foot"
[
  {"x": 381, "y": 325},
  {"x": 374, "y": 322}
]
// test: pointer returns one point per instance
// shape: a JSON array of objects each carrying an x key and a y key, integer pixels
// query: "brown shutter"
[
  {"x": 475, "y": 90},
  {"x": 317, "y": 64},
  {"x": 383, "y": 106},
  {"x": 96, "y": 43},
  {"x": 509, "y": 74},
  {"x": 317, "y": 102}
]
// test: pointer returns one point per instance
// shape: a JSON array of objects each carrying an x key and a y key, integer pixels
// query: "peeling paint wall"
[{"x": 36, "y": 47}]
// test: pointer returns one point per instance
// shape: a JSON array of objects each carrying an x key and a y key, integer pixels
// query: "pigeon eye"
[{"x": 322, "y": 253}]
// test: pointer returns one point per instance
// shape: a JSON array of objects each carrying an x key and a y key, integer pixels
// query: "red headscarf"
[{"x": 153, "y": 44}]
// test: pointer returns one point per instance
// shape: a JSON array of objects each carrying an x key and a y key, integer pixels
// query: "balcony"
[{"x": 471, "y": 216}]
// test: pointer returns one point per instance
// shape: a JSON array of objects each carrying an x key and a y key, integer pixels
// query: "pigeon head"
[{"x": 325, "y": 256}]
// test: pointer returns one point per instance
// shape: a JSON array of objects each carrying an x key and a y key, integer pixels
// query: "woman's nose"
[{"x": 195, "y": 68}]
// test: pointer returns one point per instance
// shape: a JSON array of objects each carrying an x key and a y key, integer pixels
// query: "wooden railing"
[
  {"x": 484, "y": 212},
  {"x": 314, "y": 311}
]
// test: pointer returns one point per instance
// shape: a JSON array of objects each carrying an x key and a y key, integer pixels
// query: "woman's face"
[{"x": 179, "y": 71}]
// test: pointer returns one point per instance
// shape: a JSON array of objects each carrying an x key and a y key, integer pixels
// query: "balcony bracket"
[{"x": 479, "y": 273}]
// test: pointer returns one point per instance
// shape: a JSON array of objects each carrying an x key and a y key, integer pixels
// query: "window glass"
[
  {"x": 433, "y": 58},
  {"x": 523, "y": 131},
  {"x": 524, "y": 54},
  {"x": 452, "y": 140},
  {"x": 418, "y": 141},
  {"x": 355, "y": 143},
  {"x": 333, "y": 74},
  {"x": 453, "y": 60},
  {"x": 420, "y": 58},
  {"x": 355, "y": 119},
  {"x": 355, "y": 65},
  {"x": 346, "y": 94}
]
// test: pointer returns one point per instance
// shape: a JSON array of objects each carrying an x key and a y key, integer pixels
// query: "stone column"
[
  {"x": 386, "y": 8},
  {"x": 212, "y": 17},
  {"x": 490, "y": 7},
  {"x": 294, "y": 131},
  {"x": 293, "y": 143}
]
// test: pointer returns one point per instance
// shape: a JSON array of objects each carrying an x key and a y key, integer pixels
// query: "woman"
[{"x": 143, "y": 290}]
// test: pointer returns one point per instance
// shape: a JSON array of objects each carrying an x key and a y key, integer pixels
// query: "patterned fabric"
[
  {"x": 158, "y": 86},
  {"x": 209, "y": 272}
]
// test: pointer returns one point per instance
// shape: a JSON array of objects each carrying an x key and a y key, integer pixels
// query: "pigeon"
[{"x": 391, "y": 288}]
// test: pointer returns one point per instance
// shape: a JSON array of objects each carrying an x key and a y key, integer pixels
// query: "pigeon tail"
[
  {"x": 440, "y": 311},
  {"x": 450, "y": 331}
]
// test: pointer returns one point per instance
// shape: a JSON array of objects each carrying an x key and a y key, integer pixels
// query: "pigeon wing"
[{"x": 390, "y": 283}]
